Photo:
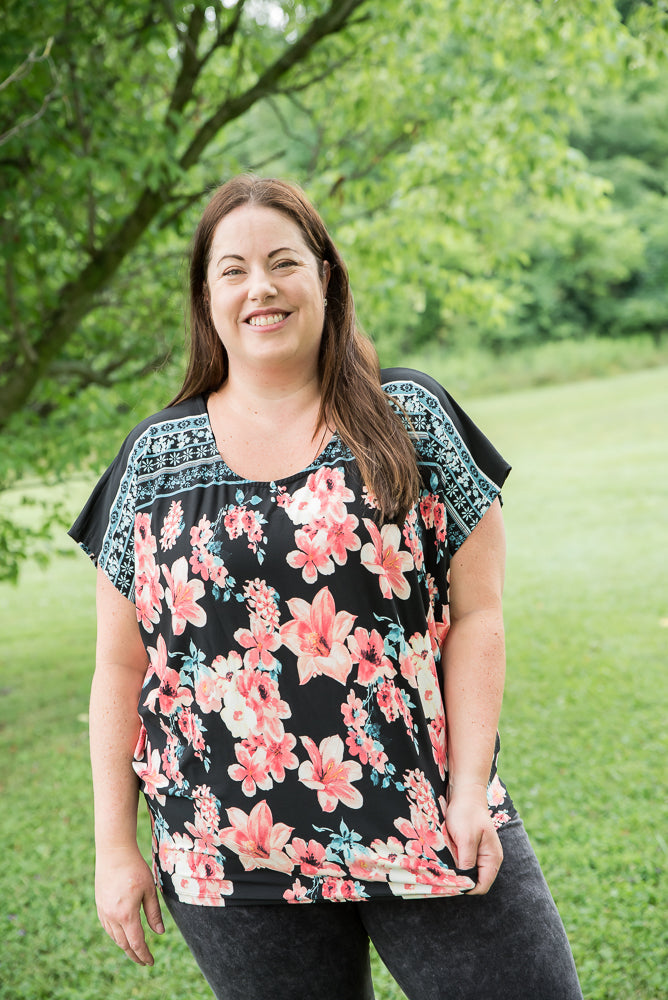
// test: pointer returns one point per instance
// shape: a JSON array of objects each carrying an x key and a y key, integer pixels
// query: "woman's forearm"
[
  {"x": 474, "y": 673},
  {"x": 114, "y": 729}
]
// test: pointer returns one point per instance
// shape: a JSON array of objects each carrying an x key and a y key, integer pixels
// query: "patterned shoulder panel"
[
  {"x": 452, "y": 461},
  {"x": 163, "y": 455}
]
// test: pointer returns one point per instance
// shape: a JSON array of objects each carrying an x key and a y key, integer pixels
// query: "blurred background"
[{"x": 495, "y": 173}]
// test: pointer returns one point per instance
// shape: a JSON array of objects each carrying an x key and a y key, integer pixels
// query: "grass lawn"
[{"x": 584, "y": 724}]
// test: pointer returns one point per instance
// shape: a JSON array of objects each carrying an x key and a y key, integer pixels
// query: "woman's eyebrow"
[{"x": 236, "y": 256}]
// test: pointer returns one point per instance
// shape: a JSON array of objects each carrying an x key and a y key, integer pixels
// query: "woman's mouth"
[{"x": 270, "y": 319}]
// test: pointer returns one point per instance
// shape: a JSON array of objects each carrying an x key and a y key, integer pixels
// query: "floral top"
[{"x": 291, "y": 734}]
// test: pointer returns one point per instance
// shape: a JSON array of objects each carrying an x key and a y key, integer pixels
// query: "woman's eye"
[
  {"x": 232, "y": 272},
  {"x": 286, "y": 263}
]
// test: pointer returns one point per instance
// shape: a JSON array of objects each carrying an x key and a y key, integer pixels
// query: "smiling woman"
[
  {"x": 300, "y": 652},
  {"x": 263, "y": 278}
]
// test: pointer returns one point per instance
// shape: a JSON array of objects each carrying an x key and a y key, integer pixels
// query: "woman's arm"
[
  {"x": 474, "y": 671},
  {"x": 123, "y": 880}
]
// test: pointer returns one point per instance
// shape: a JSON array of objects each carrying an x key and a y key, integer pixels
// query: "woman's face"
[{"x": 266, "y": 294}]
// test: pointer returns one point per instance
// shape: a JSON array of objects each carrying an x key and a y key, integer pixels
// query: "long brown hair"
[{"x": 351, "y": 392}]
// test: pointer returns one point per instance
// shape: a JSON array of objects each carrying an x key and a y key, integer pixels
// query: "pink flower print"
[
  {"x": 298, "y": 893},
  {"x": 199, "y": 879},
  {"x": 338, "y": 890},
  {"x": 190, "y": 726},
  {"x": 170, "y": 850},
  {"x": 386, "y": 696},
  {"x": 500, "y": 818},
  {"x": 317, "y": 634},
  {"x": 262, "y": 600},
  {"x": 496, "y": 794},
  {"x": 233, "y": 524},
  {"x": 280, "y": 756},
  {"x": 427, "y": 504},
  {"x": 311, "y": 555},
  {"x": 329, "y": 775},
  {"x": 422, "y": 794},
  {"x": 383, "y": 556},
  {"x": 354, "y": 713},
  {"x": 329, "y": 485},
  {"x": 341, "y": 539},
  {"x": 378, "y": 759},
  {"x": 170, "y": 757},
  {"x": 360, "y": 744},
  {"x": 311, "y": 858},
  {"x": 182, "y": 596},
  {"x": 172, "y": 525},
  {"x": 388, "y": 852},
  {"x": 260, "y": 642},
  {"x": 437, "y": 736},
  {"x": 252, "y": 525},
  {"x": 169, "y": 694},
  {"x": 440, "y": 522},
  {"x": 412, "y": 539},
  {"x": 409, "y": 663},
  {"x": 151, "y": 776},
  {"x": 323, "y": 497},
  {"x": 201, "y": 533},
  {"x": 368, "y": 651},
  {"x": 209, "y": 691},
  {"x": 261, "y": 695},
  {"x": 237, "y": 714},
  {"x": 257, "y": 840},
  {"x": 252, "y": 770},
  {"x": 203, "y": 563},
  {"x": 367, "y": 866},
  {"x": 431, "y": 699},
  {"x": 148, "y": 594},
  {"x": 369, "y": 498},
  {"x": 421, "y": 838},
  {"x": 207, "y": 819},
  {"x": 145, "y": 543},
  {"x": 431, "y": 877}
]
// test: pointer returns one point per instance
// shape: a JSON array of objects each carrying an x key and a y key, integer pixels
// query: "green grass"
[{"x": 583, "y": 729}]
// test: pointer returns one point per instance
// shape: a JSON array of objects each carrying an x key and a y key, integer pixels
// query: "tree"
[{"x": 412, "y": 125}]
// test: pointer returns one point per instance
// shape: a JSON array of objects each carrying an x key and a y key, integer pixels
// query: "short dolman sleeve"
[
  {"x": 106, "y": 526},
  {"x": 457, "y": 461}
]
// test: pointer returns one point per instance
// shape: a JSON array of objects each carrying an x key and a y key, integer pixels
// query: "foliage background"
[{"x": 496, "y": 175}]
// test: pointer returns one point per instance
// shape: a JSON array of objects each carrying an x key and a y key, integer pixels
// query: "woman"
[{"x": 300, "y": 565}]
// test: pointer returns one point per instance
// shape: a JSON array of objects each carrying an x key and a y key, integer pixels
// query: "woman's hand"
[
  {"x": 474, "y": 841},
  {"x": 123, "y": 884}
]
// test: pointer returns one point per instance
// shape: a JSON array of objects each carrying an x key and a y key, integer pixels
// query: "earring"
[{"x": 324, "y": 302}]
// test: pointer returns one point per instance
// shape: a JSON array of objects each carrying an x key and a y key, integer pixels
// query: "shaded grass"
[{"x": 583, "y": 729}]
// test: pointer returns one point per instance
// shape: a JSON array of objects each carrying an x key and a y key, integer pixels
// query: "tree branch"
[
  {"x": 27, "y": 65},
  {"x": 77, "y": 297},
  {"x": 333, "y": 20}
]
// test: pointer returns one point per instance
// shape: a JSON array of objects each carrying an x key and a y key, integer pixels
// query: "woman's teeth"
[{"x": 267, "y": 320}]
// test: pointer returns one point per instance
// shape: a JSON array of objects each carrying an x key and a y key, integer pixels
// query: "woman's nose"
[{"x": 260, "y": 286}]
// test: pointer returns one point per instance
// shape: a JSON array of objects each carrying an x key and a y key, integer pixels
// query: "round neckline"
[{"x": 316, "y": 461}]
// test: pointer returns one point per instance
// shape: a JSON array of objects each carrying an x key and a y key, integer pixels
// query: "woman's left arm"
[{"x": 474, "y": 672}]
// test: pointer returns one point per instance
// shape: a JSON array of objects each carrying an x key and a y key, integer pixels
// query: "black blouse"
[{"x": 291, "y": 731}]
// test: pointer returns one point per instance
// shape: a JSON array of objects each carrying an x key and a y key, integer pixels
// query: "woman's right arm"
[{"x": 123, "y": 880}]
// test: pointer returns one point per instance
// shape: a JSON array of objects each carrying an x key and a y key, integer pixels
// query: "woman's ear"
[{"x": 326, "y": 272}]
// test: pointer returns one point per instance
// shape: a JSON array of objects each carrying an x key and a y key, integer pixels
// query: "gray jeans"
[{"x": 508, "y": 944}]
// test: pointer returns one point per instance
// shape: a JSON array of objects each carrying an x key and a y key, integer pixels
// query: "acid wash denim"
[{"x": 507, "y": 945}]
